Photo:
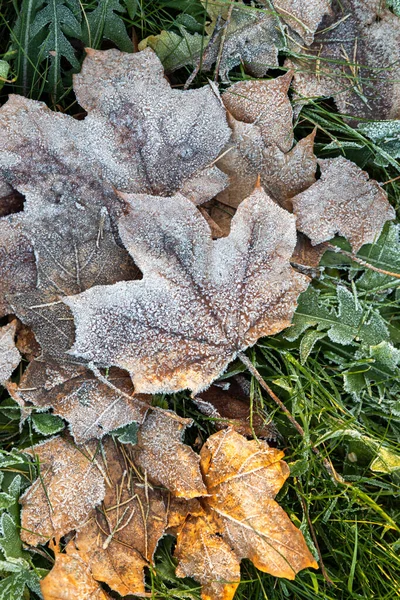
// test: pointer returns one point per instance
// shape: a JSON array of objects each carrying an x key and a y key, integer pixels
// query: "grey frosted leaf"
[
  {"x": 140, "y": 134},
  {"x": 282, "y": 174},
  {"x": 166, "y": 460},
  {"x": 266, "y": 104},
  {"x": 302, "y": 16},
  {"x": 75, "y": 249},
  {"x": 200, "y": 301},
  {"x": 17, "y": 262},
  {"x": 9, "y": 354},
  {"x": 251, "y": 37},
  {"x": 71, "y": 484},
  {"x": 91, "y": 408},
  {"x": 354, "y": 59},
  {"x": 163, "y": 135},
  {"x": 343, "y": 201}
]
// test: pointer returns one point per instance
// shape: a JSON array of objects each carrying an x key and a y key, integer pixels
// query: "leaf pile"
[{"x": 127, "y": 294}]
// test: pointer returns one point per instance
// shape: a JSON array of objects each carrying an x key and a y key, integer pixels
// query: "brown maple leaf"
[
  {"x": 354, "y": 59},
  {"x": 62, "y": 498},
  {"x": 344, "y": 201},
  {"x": 118, "y": 516},
  {"x": 261, "y": 146},
  {"x": 91, "y": 408},
  {"x": 168, "y": 462},
  {"x": 70, "y": 579},
  {"x": 200, "y": 301},
  {"x": 140, "y": 135},
  {"x": 241, "y": 518}
]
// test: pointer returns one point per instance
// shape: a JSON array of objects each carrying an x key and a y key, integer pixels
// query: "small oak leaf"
[
  {"x": 343, "y": 201},
  {"x": 168, "y": 462},
  {"x": 69, "y": 486},
  {"x": 9, "y": 354},
  {"x": 200, "y": 301}
]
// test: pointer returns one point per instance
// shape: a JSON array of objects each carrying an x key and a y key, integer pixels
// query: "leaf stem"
[{"x": 327, "y": 464}]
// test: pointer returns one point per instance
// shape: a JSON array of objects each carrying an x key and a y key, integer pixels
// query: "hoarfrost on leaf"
[
  {"x": 343, "y": 201},
  {"x": 200, "y": 301}
]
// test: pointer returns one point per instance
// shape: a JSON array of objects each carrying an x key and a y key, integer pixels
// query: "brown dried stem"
[{"x": 327, "y": 464}]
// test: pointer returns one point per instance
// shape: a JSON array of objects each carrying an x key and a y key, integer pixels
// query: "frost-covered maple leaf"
[{"x": 200, "y": 301}]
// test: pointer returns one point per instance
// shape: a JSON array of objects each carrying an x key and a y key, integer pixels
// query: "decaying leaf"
[
  {"x": 355, "y": 59},
  {"x": 343, "y": 201},
  {"x": 120, "y": 540},
  {"x": 9, "y": 354},
  {"x": 248, "y": 36},
  {"x": 200, "y": 301},
  {"x": 228, "y": 405},
  {"x": 241, "y": 518},
  {"x": 260, "y": 116},
  {"x": 17, "y": 262},
  {"x": 168, "y": 462},
  {"x": 70, "y": 485},
  {"x": 203, "y": 554},
  {"x": 71, "y": 579},
  {"x": 91, "y": 408},
  {"x": 236, "y": 517},
  {"x": 140, "y": 135},
  {"x": 303, "y": 17},
  {"x": 75, "y": 249}
]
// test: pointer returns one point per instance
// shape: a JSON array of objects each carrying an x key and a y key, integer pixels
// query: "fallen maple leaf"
[
  {"x": 241, "y": 518},
  {"x": 70, "y": 579},
  {"x": 261, "y": 119},
  {"x": 236, "y": 517},
  {"x": 61, "y": 499},
  {"x": 9, "y": 355},
  {"x": 354, "y": 58},
  {"x": 168, "y": 462},
  {"x": 121, "y": 538},
  {"x": 200, "y": 302},
  {"x": 91, "y": 407},
  {"x": 336, "y": 201},
  {"x": 140, "y": 135}
]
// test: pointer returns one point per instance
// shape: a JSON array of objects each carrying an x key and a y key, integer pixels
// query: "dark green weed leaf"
[
  {"x": 105, "y": 21},
  {"x": 47, "y": 424}
]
